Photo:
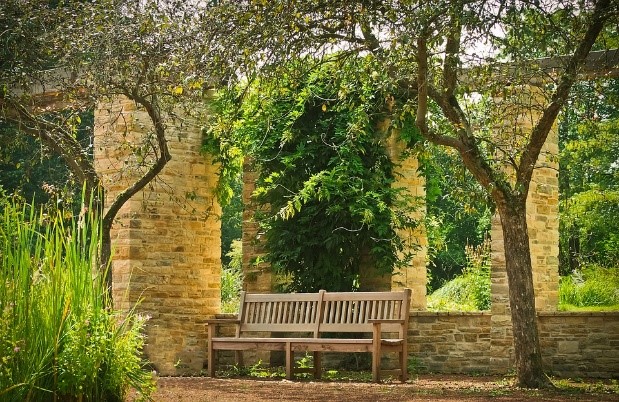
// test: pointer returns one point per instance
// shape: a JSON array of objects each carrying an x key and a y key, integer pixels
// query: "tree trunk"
[{"x": 527, "y": 350}]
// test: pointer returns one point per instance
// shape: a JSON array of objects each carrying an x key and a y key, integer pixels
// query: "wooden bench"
[{"x": 305, "y": 317}]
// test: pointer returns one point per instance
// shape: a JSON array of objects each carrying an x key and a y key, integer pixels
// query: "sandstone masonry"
[{"x": 166, "y": 239}]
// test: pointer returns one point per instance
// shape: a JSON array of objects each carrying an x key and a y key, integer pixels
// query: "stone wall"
[
  {"x": 580, "y": 344},
  {"x": 573, "y": 344},
  {"x": 449, "y": 342},
  {"x": 166, "y": 239}
]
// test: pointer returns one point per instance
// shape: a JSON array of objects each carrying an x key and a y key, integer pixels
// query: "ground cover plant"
[{"x": 58, "y": 340}]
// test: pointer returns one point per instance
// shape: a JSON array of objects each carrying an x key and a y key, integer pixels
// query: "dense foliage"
[
  {"x": 57, "y": 337},
  {"x": 589, "y": 177},
  {"x": 326, "y": 181},
  {"x": 458, "y": 215}
]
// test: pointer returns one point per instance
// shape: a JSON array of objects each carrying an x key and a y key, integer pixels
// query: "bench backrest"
[
  {"x": 285, "y": 312},
  {"x": 351, "y": 311},
  {"x": 322, "y": 312}
]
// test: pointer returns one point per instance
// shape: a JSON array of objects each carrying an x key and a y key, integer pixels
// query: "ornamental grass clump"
[{"x": 59, "y": 340}]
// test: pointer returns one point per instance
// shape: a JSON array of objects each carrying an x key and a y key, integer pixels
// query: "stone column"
[
  {"x": 166, "y": 239},
  {"x": 257, "y": 275},
  {"x": 407, "y": 175},
  {"x": 543, "y": 226}
]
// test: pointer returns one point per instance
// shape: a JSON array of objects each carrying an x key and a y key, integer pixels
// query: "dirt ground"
[{"x": 420, "y": 388}]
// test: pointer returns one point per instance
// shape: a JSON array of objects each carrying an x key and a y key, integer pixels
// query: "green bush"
[
  {"x": 592, "y": 286},
  {"x": 232, "y": 279},
  {"x": 58, "y": 339}
]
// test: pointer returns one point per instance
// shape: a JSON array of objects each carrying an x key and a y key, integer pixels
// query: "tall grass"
[
  {"x": 592, "y": 286},
  {"x": 58, "y": 339}
]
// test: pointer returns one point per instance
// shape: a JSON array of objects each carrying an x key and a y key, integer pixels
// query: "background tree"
[
  {"x": 589, "y": 179},
  {"x": 425, "y": 49}
]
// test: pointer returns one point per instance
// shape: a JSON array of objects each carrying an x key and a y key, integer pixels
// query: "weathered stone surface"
[{"x": 166, "y": 239}]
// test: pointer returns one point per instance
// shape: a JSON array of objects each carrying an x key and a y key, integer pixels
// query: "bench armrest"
[
  {"x": 385, "y": 321},
  {"x": 212, "y": 324},
  {"x": 377, "y": 327},
  {"x": 217, "y": 321}
]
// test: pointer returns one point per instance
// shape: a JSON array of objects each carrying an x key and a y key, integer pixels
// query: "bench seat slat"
[{"x": 301, "y": 344}]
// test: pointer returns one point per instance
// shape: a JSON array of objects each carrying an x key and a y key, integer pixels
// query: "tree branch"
[
  {"x": 162, "y": 159},
  {"x": 601, "y": 14},
  {"x": 452, "y": 49},
  {"x": 59, "y": 140}
]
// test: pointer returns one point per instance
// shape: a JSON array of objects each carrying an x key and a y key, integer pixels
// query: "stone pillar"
[
  {"x": 166, "y": 239},
  {"x": 543, "y": 226},
  {"x": 407, "y": 175},
  {"x": 257, "y": 275}
]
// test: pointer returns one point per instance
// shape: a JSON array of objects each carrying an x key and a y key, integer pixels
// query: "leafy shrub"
[
  {"x": 325, "y": 194},
  {"x": 469, "y": 291},
  {"x": 58, "y": 338}
]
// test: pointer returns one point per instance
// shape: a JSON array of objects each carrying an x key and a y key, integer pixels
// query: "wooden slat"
[
  {"x": 308, "y": 313},
  {"x": 329, "y": 296},
  {"x": 350, "y": 310},
  {"x": 364, "y": 304}
]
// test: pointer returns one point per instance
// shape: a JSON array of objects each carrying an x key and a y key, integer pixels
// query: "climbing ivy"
[{"x": 325, "y": 185}]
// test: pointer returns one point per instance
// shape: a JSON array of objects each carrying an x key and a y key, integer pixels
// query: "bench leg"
[
  {"x": 317, "y": 365},
  {"x": 376, "y": 353},
  {"x": 289, "y": 361},
  {"x": 238, "y": 358},
  {"x": 403, "y": 366},
  {"x": 211, "y": 362}
]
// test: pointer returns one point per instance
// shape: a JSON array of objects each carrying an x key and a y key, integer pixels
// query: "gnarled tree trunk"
[{"x": 519, "y": 268}]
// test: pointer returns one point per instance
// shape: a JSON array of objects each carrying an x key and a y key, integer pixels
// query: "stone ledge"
[
  {"x": 578, "y": 314},
  {"x": 449, "y": 313}
]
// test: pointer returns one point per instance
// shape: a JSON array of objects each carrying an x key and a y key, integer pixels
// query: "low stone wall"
[
  {"x": 451, "y": 342},
  {"x": 580, "y": 344},
  {"x": 573, "y": 344}
]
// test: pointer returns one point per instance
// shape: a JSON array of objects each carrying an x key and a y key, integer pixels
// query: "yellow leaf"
[{"x": 324, "y": 107}]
